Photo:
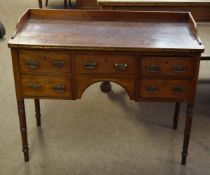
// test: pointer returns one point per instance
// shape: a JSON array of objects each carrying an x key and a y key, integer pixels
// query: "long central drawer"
[{"x": 107, "y": 64}]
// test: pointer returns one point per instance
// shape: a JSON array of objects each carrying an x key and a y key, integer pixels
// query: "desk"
[{"x": 155, "y": 56}]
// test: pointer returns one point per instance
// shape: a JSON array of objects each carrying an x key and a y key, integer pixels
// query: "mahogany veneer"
[{"x": 57, "y": 54}]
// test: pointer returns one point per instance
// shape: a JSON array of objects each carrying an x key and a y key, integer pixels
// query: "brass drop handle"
[
  {"x": 178, "y": 89},
  {"x": 32, "y": 64},
  {"x": 58, "y": 63},
  {"x": 91, "y": 65},
  {"x": 58, "y": 88},
  {"x": 153, "y": 68},
  {"x": 121, "y": 66},
  {"x": 179, "y": 68},
  {"x": 34, "y": 86},
  {"x": 152, "y": 89}
]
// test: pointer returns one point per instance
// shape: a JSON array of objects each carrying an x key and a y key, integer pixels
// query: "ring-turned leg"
[
  {"x": 176, "y": 115},
  {"x": 23, "y": 128},
  {"x": 106, "y": 86},
  {"x": 187, "y": 131},
  {"x": 37, "y": 112}
]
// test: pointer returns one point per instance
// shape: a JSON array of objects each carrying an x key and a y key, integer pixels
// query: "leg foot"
[
  {"x": 23, "y": 128},
  {"x": 26, "y": 153},
  {"x": 184, "y": 158},
  {"x": 37, "y": 111},
  {"x": 176, "y": 115},
  {"x": 106, "y": 86},
  {"x": 187, "y": 131}
]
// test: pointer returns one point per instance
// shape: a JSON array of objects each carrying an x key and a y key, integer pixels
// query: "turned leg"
[
  {"x": 37, "y": 112},
  {"x": 188, "y": 124},
  {"x": 176, "y": 115},
  {"x": 106, "y": 86},
  {"x": 23, "y": 128},
  {"x": 40, "y": 3}
]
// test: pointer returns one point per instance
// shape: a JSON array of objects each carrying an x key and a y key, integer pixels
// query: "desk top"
[{"x": 107, "y": 30}]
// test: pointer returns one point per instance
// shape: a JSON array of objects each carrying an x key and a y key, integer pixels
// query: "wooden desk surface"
[{"x": 99, "y": 30}]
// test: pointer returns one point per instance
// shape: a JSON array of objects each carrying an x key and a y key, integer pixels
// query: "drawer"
[
  {"x": 44, "y": 62},
  {"x": 46, "y": 86},
  {"x": 168, "y": 66},
  {"x": 121, "y": 64},
  {"x": 165, "y": 88}
]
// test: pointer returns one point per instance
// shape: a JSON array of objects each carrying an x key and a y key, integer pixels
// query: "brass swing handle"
[
  {"x": 153, "y": 68},
  {"x": 58, "y": 63},
  {"x": 178, "y": 89},
  {"x": 59, "y": 88},
  {"x": 32, "y": 64},
  {"x": 34, "y": 86},
  {"x": 91, "y": 65},
  {"x": 121, "y": 66},
  {"x": 152, "y": 89}
]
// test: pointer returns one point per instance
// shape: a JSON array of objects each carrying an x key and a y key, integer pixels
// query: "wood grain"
[
  {"x": 105, "y": 64},
  {"x": 168, "y": 66},
  {"x": 94, "y": 30},
  {"x": 164, "y": 88},
  {"x": 45, "y": 86},
  {"x": 47, "y": 62}
]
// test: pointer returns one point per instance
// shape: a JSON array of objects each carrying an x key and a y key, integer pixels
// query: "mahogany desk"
[{"x": 57, "y": 54}]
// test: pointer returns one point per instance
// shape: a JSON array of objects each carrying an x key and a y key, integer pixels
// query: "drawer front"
[
  {"x": 46, "y": 86},
  {"x": 44, "y": 62},
  {"x": 168, "y": 66},
  {"x": 165, "y": 88},
  {"x": 121, "y": 64}
]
